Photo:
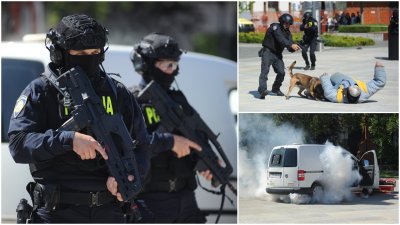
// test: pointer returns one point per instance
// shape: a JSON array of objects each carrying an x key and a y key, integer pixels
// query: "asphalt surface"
[
  {"x": 355, "y": 62},
  {"x": 379, "y": 208}
]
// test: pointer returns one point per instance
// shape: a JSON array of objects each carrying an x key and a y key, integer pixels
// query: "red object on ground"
[{"x": 387, "y": 184}]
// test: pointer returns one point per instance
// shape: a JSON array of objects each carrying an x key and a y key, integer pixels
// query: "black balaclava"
[
  {"x": 160, "y": 77},
  {"x": 89, "y": 63}
]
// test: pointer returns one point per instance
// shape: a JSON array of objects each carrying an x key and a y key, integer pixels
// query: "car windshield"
[{"x": 16, "y": 74}]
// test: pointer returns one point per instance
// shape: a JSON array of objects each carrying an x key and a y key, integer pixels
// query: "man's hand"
[
  {"x": 86, "y": 146},
  {"x": 207, "y": 174},
  {"x": 295, "y": 47},
  {"x": 182, "y": 146},
  {"x": 324, "y": 75},
  {"x": 378, "y": 64},
  {"x": 112, "y": 186}
]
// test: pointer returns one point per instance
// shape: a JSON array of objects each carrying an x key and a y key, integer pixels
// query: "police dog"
[{"x": 312, "y": 85}]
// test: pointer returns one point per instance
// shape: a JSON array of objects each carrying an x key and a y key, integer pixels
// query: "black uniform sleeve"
[
  {"x": 30, "y": 140},
  {"x": 314, "y": 28},
  {"x": 302, "y": 27},
  {"x": 280, "y": 37}
]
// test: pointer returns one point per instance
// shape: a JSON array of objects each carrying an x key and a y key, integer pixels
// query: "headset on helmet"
[
  {"x": 286, "y": 18},
  {"x": 151, "y": 47},
  {"x": 75, "y": 32}
]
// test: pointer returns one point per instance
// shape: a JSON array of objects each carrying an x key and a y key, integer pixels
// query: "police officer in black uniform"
[
  {"x": 72, "y": 182},
  {"x": 169, "y": 193},
  {"x": 276, "y": 38},
  {"x": 310, "y": 28}
]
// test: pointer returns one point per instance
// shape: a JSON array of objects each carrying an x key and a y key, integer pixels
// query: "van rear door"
[
  {"x": 275, "y": 168},
  {"x": 282, "y": 171},
  {"x": 369, "y": 169},
  {"x": 290, "y": 168}
]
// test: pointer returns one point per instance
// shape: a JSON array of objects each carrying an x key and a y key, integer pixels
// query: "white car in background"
[{"x": 208, "y": 82}]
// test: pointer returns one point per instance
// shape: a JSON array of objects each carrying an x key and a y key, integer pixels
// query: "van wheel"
[{"x": 317, "y": 191}]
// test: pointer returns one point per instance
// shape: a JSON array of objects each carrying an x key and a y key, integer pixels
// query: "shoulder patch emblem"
[
  {"x": 21, "y": 102},
  {"x": 274, "y": 27}
]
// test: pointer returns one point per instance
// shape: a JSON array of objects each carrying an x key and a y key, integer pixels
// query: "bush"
[
  {"x": 258, "y": 37},
  {"x": 346, "y": 41},
  {"x": 362, "y": 28},
  {"x": 251, "y": 37},
  {"x": 329, "y": 40}
]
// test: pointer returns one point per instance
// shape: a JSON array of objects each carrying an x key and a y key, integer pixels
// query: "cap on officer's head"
[
  {"x": 353, "y": 93},
  {"x": 78, "y": 32}
]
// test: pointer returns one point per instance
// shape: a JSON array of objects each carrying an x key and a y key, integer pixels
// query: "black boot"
[
  {"x": 307, "y": 67},
  {"x": 312, "y": 67},
  {"x": 276, "y": 92},
  {"x": 263, "y": 94}
]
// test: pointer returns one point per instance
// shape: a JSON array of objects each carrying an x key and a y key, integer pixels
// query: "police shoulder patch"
[
  {"x": 21, "y": 102},
  {"x": 274, "y": 27}
]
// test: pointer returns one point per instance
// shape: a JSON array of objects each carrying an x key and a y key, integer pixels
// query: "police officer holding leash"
[
  {"x": 276, "y": 38},
  {"x": 72, "y": 182},
  {"x": 310, "y": 28}
]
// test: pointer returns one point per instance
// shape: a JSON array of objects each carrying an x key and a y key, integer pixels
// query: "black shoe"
[
  {"x": 277, "y": 93},
  {"x": 263, "y": 94},
  {"x": 312, "y": 67},
  {"x": 307, "y": 67}
]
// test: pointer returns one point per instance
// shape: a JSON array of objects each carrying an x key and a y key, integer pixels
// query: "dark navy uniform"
[
  {"x": 169, "y": 191},
  {"x": 309, "y": 40},
  {"x": 276, "y": 39},
  {"x": 39, "y": 111}
]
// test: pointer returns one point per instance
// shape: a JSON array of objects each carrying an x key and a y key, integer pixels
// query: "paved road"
[
  {"x": 354, "y": 62},
  {"x": 380, "y": 208}
]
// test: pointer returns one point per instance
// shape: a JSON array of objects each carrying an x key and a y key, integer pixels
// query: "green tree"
[
  {"x": 384, "y": 128},
  {"x": 346, "y": 130}
]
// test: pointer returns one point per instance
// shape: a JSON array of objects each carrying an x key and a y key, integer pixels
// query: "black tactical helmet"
[
  {"x": 307, "y": 16},
  {"x": 78, "y": 32},
  {"x": 159, "y": 46},
  {"x": 152, "y": 47},
  {"x": 286, "y": 18}
]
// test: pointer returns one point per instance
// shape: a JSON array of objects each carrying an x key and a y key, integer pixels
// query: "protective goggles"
[{"x": 165, "y": 64}]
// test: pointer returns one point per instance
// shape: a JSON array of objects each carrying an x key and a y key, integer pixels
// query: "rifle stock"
[
  {"x": 173, "y": 118},
  {"x": 109, "y": 130}
]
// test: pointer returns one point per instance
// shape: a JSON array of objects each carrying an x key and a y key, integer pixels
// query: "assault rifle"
[
  {"x": 173, "y": 118},
  {"x": 109, "y": 130}
]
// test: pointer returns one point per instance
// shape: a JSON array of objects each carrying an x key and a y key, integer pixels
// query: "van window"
[
  {"x": 16, "y": 74},
  {"x": 290, "y": 159},
  {"x": 276, "y": 157},
  {"x": 283, "y": 157}
]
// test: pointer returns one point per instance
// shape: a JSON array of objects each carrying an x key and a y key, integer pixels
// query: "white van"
[
  {"x": 298, "y": 169},
  {"x": 208, "y": 82}
]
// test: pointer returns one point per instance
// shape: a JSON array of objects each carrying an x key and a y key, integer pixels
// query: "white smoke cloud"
[
  {"x": 337, "y": 178},
  {"x": 262, "y": 134},
  {"x": 338, "y": 175}
]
